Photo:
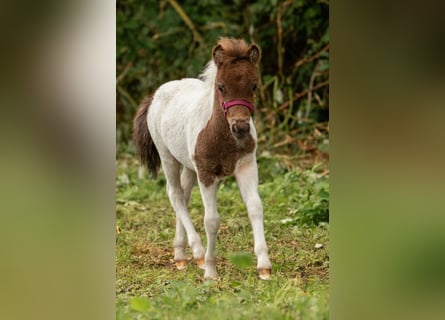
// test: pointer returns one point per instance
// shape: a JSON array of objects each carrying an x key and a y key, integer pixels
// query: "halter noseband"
[{"x": 226, "y": 105}]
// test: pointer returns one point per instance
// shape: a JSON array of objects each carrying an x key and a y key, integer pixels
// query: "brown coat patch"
[
  {"x": 228, "y": 49},
  {"x": 217, "y": 151}
]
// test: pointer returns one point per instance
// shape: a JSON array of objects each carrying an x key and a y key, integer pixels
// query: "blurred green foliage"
[{"x": 158, "y": 41}]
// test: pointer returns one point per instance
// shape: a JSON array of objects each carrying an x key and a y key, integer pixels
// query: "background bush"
[{"x": 158, "y": 41}]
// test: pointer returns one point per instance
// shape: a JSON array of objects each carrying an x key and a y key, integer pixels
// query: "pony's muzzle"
[{"x": 240, "y": 128}]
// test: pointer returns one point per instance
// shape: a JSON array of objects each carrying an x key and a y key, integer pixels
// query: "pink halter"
[{"x": 226, "y": 105}]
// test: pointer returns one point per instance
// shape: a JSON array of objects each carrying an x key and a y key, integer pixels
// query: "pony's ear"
[
  {"x": 254, "y": 53},
  {"x": 217, "y": 54}
]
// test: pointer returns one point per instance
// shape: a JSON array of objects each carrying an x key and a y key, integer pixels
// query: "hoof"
[
  {"x": 214, "y": 278},
  {"x": 201, "y": 263},
  {"x": 264, "y": 274},
  {"x": 210, "y": 275},
  {"x": 181, "y": 264}
]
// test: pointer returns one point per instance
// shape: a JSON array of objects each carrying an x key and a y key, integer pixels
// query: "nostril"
[{"x": 241, "y": 128}]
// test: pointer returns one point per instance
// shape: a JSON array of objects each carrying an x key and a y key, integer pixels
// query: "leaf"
[
  {"x": 324, "y": 65},
  {"x": 323, "y": 194},
  {"x": 140, "y": 304}
]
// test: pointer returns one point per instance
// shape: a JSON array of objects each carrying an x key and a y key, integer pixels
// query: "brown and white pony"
[{"x": 205, "y": 126}]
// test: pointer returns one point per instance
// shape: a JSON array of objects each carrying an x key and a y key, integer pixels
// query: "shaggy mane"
[
  {"x": 208, "y": 75},
  {"x": 236, "y": 48}
]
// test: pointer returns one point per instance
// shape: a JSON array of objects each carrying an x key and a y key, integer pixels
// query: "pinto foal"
[{"x": 205, "y": 126}]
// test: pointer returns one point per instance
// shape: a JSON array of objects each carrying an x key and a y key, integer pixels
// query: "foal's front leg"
[
  {"x": 211, "y": 223},
  {"x": 247, "y": 179}
]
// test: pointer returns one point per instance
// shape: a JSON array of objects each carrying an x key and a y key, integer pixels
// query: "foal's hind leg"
[
  {"x": 178, "y": 199},
  {"x": 188, "y": 180}
]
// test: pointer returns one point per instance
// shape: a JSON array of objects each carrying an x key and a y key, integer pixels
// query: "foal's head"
[{"x": 236, "y": 82}]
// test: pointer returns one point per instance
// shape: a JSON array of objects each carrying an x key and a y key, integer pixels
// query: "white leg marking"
[
  {"x": 179, "y": 204},
  {"x": 211, "y": 222},
  {"x": 188, "y": 180},
  {"x": 180, "y": 244},
  {"x": 247, "y": 178}
]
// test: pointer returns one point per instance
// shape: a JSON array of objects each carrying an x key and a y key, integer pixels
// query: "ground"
[{"x": 148, "y": 286}]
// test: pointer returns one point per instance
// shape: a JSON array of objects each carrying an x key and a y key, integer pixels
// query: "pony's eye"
[
  {"x": 254, "y": 87},
  {"x": 220, "y": 87}
]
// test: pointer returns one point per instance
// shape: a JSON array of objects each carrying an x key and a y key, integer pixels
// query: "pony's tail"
[{"x": 145, "y": 148}]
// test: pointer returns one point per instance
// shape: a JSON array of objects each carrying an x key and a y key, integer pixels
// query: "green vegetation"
[
  {"x": 158, "y": 41},
  {"x": 296, "y": 211}
]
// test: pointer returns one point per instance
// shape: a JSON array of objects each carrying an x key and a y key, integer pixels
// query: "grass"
[{"x": 296, "y": 212}]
